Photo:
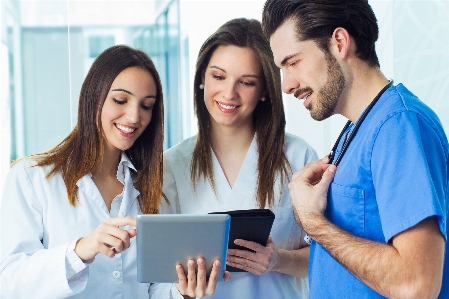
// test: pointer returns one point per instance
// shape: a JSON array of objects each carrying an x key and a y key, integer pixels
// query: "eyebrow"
[
  {"x": 284, "y": 61},
  {"x": 244, "y": 75},
  {"x": 130, "y": 93}
]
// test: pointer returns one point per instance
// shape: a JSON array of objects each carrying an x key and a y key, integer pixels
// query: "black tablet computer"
[{"x": 252, "y": 225}]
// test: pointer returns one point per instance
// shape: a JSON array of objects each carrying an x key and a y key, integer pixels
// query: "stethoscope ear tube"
[{"x": 356, "y": 128}]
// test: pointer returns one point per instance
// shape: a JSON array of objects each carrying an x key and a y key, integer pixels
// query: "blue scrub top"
[{"x": 393, "y": 175}]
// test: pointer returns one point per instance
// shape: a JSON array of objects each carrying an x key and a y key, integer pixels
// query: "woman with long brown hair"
[
  {"x": 68, "y": 214},
  {"x": 241, "y": 158}
]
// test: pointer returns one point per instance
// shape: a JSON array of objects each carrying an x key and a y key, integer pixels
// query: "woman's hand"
[
  {"x": 108, "y": 238},
  {"x": 195, "y": 284},
  {"x": 262, "y": 260}
]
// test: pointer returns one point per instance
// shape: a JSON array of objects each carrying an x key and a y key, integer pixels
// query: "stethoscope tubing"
[{"x": 356, "y": 128}]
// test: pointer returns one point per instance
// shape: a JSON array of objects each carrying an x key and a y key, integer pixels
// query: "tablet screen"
[{"x": 165, "y": 240}]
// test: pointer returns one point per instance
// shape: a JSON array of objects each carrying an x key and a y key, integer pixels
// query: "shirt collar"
[{"x": 124, "y": 162}]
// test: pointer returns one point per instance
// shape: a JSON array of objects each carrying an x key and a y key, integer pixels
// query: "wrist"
[
  {"x": 77, "y": 251},
  {"x": 312, "y": 222},
  {"x": 281, "y": 255}
]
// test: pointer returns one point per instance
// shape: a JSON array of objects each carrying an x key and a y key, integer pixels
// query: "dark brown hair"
[
  {"x": 81, "y": 152},
  {"x": 317, "y": 19},
  {"x": 268, "y": 116}
]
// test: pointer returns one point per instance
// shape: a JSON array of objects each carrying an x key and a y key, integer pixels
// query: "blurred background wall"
[{"x": 47, "y": 47}]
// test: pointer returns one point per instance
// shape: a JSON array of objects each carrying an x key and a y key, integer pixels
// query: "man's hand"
[{"x": 308, "y": 190}]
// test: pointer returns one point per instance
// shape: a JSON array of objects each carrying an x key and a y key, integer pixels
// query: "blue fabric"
[{"x": 393, "y": 175}]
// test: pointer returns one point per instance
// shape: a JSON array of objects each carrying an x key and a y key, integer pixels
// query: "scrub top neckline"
[{"x": 220, "y": 175}]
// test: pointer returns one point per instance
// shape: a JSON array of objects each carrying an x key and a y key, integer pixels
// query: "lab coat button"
[{"x": 116, "y": 274}]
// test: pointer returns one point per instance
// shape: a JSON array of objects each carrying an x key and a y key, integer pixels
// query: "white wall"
[
  {"x": 413, "y": 48},
  {"x": 4, "y": 116}
]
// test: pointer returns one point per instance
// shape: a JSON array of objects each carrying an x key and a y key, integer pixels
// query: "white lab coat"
[
  {"x": 285, "y": 232},
  {"x": 39, "y": 229}
]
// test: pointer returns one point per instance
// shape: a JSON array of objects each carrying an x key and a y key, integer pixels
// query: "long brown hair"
[
  {"x": 81, "y": 152},
  {"x": 268, "y": 116}
]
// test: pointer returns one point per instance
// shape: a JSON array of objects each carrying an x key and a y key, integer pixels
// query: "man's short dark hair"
[{"x": 317, "y": 19}]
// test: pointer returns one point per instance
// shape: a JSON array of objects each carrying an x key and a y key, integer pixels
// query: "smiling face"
[
  {"x": 127, "y": 109},
  {"x": 309, "y": 73},
  {"x": 233, "y": 86}
]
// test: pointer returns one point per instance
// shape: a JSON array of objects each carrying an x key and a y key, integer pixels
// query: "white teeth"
[
  {"x": 125, "y": 129},
  {"x": 226, "y": 106},
  {"x": 305, "y": 98}
]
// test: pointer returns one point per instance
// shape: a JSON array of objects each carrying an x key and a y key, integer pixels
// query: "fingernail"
[
  {"x": 332, "y": 168},
  {"x": 325, "y": 159}
]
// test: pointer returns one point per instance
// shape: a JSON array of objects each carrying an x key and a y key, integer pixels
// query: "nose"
[
  {"x": 133, "y": 113},
  {"x": 289, "y": 83},
  {"x": 229, "y": 90}
]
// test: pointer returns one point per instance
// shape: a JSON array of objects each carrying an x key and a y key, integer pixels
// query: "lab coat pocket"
[{"x": 346, "y": 208}]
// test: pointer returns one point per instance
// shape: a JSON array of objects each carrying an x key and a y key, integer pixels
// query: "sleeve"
[
  {"x": 164, "y": 291},
  {"x": 27, "y": 268},
  {"x": 409, "y": 173},
  {"x": 76, "y": 270},
  {"x": 299, "y": 152},
  {"x": 170, "y": 190},
  {"x": 311, "y": 155}
]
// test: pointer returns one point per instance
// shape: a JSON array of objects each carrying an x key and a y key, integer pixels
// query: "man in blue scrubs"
[{"x": 377, "y": 220}]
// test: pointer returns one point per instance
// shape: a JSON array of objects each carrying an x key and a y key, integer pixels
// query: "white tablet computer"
[{"x": 163, "y": 241}]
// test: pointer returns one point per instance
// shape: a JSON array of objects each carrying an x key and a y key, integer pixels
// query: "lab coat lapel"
[
  {"x": 129, "y": 194},
  {"x": 88, "y": 187}
]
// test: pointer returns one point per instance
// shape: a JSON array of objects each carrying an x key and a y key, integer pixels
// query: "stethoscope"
[{"x": 352, "y": 133}]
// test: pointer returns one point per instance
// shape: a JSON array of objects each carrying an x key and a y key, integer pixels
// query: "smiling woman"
[
  {"x": 73, "y": 208},
  {"x": 233, "y": 85},
  {"x": 241, "y": 159},
  {"x": 127, "y": 111}
]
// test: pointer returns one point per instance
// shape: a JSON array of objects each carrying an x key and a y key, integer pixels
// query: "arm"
[
  {"x": 410, "y": 267},
  {"x": 27, "y": 268},
  {"x": 269, "y": 258},
  {"x": 293, "y": 262}
]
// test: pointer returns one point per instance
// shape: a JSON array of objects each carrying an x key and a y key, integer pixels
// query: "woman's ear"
[
  {"x": 263, "y": 96},
  {"x": 203, "y": 76}
]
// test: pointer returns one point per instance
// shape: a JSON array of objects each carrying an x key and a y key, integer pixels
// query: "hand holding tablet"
[
  {"x": 251, "y": 228},
  {"x": 195, "y": 283}
]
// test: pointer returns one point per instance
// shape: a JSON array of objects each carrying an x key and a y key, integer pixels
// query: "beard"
[{"x": 329, "y": 93}]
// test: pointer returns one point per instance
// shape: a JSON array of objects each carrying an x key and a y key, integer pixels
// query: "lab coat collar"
[
  {"x": 130, "y": 193},
  {"x": 124, "y": 175}
]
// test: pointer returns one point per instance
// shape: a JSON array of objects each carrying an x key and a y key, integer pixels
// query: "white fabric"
[
  {"x": 285, "y": 232},
  {"x": 39, "y": 229}
]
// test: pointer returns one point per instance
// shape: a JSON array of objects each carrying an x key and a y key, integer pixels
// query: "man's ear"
[{"x": 341, "y": 42}]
